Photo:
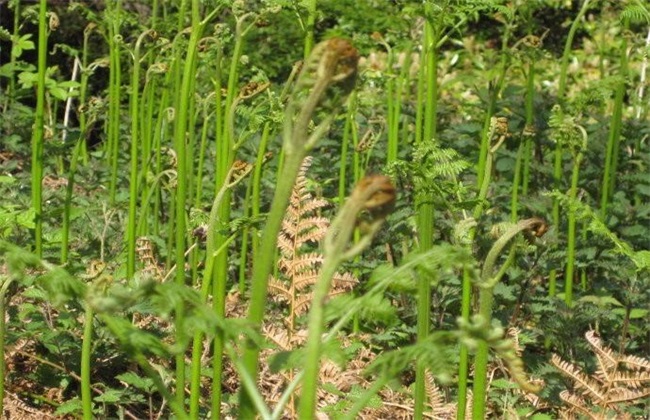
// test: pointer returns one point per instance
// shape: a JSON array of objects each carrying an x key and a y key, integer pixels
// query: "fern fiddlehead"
[
  {"x": 376, "y": 195},
  {"x": 324, "y": 83}
]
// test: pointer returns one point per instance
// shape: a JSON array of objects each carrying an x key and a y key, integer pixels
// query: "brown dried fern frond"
[
  {"x": 635, "y": 363},
  {"x": 300, "y": 267},
  {"x": 575, "y": 402},
  {"x": 151, "y": 268},
  {"x": 437, "y": 405},
  {"x": 606, "y": 357},
  {"x": 15, "y": 408},
  {"x": 589, "y": 386},
  {"x": 619, "y": 395},
  {"x": 619, "y": 381}
]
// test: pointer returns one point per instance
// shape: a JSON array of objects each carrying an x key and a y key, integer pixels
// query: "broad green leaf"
[{"x": 130, "y": 378}]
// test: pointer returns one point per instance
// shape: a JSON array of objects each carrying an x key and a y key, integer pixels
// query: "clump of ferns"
[
  {"x": 619, "y": 382},
  {"x": 431, "y": 172}
]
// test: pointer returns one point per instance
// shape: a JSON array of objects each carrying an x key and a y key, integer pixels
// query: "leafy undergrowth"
[{"x": 514, "y": 221}]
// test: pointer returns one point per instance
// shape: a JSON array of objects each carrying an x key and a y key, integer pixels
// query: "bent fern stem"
[
  {"x": 486, "y": 294},
  {"x": 327, "y": 78},
  {"x": 376, "y": 194}
]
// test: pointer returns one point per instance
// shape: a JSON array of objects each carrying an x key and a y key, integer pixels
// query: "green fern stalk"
[
  {"x": 4, "y": 285},
  {"x": 557, "y": 166},
  {"x": 80, "y": 150},
  {"x": 265, "y": 261},
  {"x": 67, "y": 205},
  {"x": 135, "y": 142},
  {"x": 206, "y": 119},
  {"x": 492, "y": 104},
  {"x": 86, "y": 353},
  {"x": 463, "y": 356},
  {"x": 614, "y": 137},
  {"x": 571, "y": 236},
  {"x": 38, "y": 135},
  {"x": 113, "y": 15},
  {"x": 311, "y": 6},
  {"x": 463, "y": 368},
  {"x": 522, "y": 166},
  {"x": 514, "y": 195},
  {"x": 425, "y": 210},
  {"x": 225, "y": 156},
  {"x": 391, "y": 105},
  {"x": 488, "y": 281},
  {"x": 345, "y": 145},
  {"x": 213, "y": 250},
  {"x": 336, "y": 249},
  {"x": 160, "y": 128},
  {"x": 267, "y": 132},
  {"x": 180, "y": 132},
  {"x": 395, "y": 99},
  {"x": 86, "y": 346},
  {"x": 529, "y": 129},
  {"x": 245, "y": 240}
]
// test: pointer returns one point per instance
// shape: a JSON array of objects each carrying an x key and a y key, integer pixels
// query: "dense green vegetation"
[{"x": 282, "y": 209}]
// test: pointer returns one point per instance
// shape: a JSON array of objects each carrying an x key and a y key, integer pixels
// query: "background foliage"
[{"x": 163, "y": 122}]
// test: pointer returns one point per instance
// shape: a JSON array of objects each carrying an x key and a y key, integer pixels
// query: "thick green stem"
[
  {"x": 86, "y": 352},
  {"x": 557, "y": 165},
  {"x": 225, "y": 156},
  {"x": 614, "y": 137},
  {"x": 3, "y": 368},
  {"x": 180, "y": 135},
  {"x": 263, "y": 263},
  {"x": 313, "y": 348},
  {"x": 332, "y": 65},
  {"x": 425, "y": 210},
  {"x": 463, "y": 368},
  {"x": 134, "y": 174},
  {"x": 529, "y": 129},
  {"x": 336, "y": 249},
  {"x": 571, "y": 236},
  {"x": 311, "y": 6},
  {"x": 115, "y": 85},
  {"x": 39, "y": 131}
]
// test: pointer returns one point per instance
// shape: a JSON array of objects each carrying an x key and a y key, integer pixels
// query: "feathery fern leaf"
[{"x": 620, "y": 379}]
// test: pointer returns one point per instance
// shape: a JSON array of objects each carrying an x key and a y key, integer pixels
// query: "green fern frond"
[
  {"x": 565, "y": 131},
  {"x": 636, "y": 13}
]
